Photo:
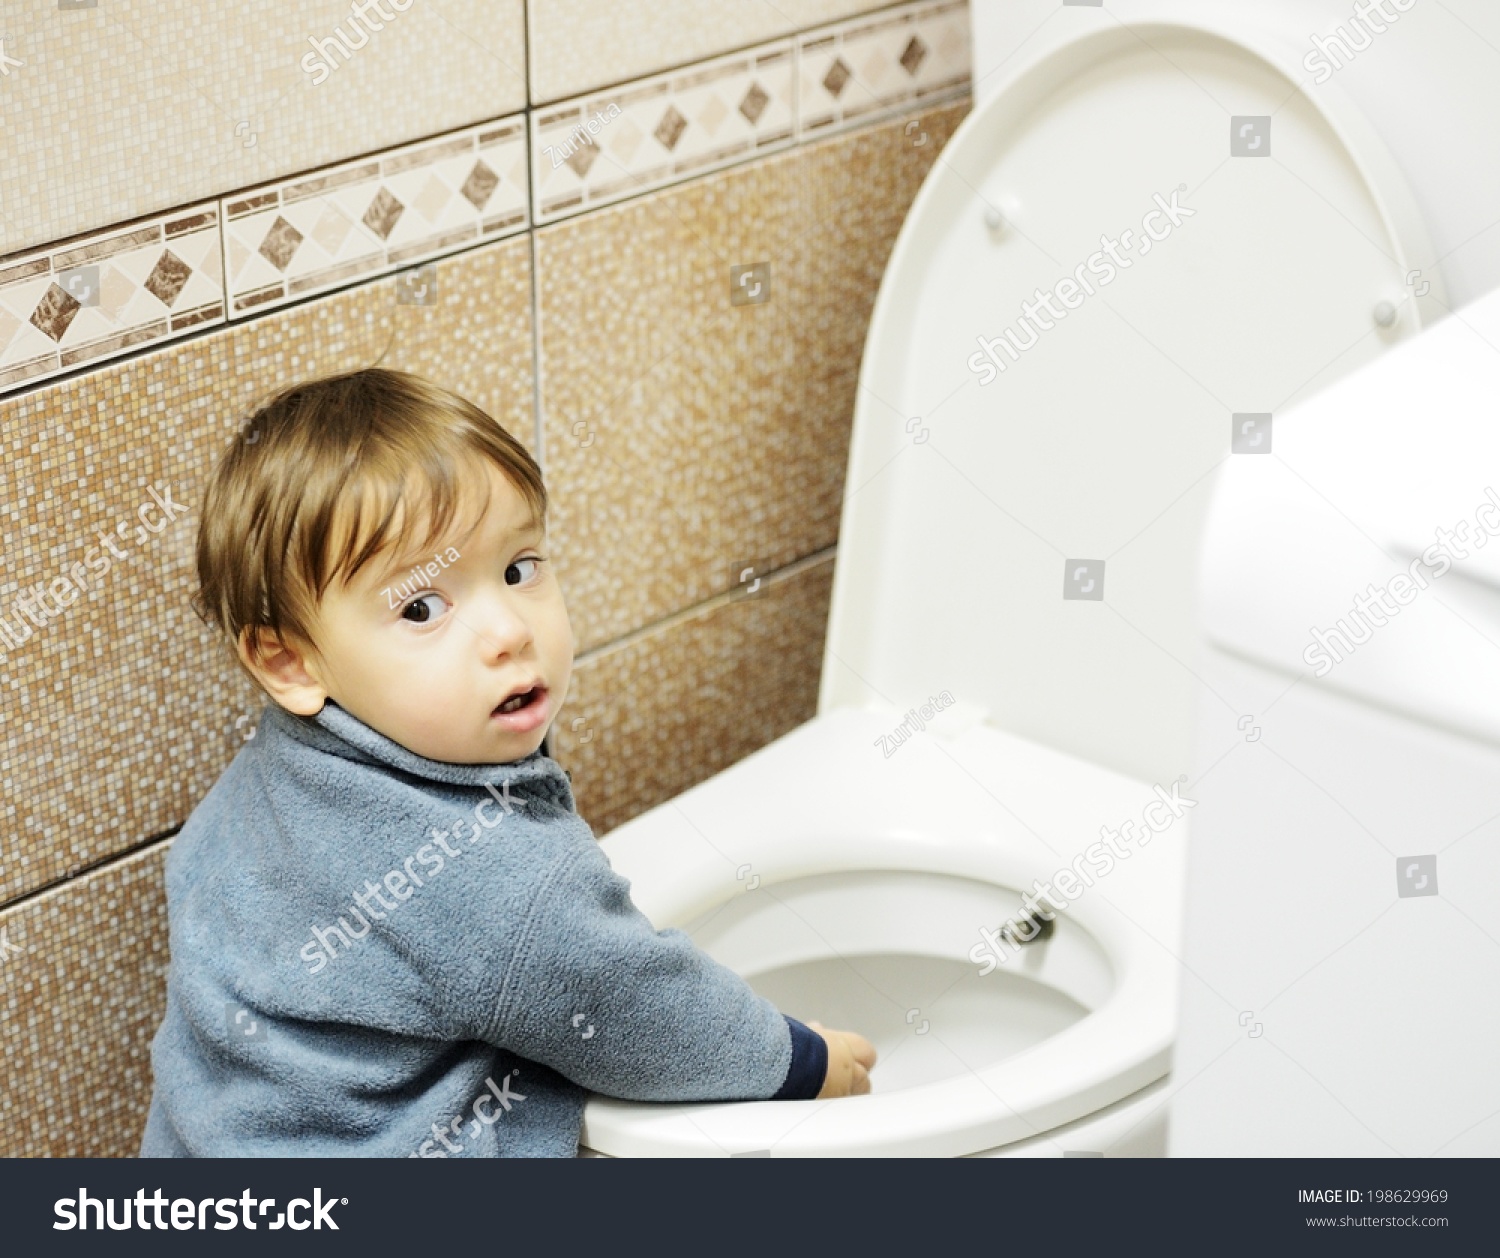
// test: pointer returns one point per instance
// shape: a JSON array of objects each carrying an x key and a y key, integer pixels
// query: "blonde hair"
[{"x": 328, "y": 474}]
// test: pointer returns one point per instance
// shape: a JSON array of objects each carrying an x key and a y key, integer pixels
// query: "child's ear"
[{"x": 284, "y": 668}]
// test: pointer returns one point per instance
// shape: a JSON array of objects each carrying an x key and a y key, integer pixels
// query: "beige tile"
[
  {"x": 581, "y": 44},
  {"x": 82, "y": 991},
  {"x": 648, "y": 719},
  {"x": 687, "y": 436},
  {"x": 119, "y": 714},
  {"x": 131, "y": 108}
]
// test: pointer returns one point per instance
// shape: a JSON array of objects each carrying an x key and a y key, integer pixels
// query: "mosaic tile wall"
[
  {"x": 577, "y": 45},
  {"x": 693, "y": 429},
  {"x": 688, "y": 383},
  {"x": 226, "y": 83},
  {"x": 83, "y": 992}
]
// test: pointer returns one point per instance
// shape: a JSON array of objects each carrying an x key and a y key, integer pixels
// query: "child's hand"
[{"x": 851, "y": 1057}]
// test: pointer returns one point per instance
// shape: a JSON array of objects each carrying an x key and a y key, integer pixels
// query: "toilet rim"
[
  {"x": 1024, "y": 1095},
  {"x": 697, "y": 886},
  {"x": 1117, "y": 1048}
]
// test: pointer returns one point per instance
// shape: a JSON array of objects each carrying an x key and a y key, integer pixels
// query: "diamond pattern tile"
[
  {"x": 837, "y": 76},
  {"x": 701, "y": 118},
  {"x": 151, "y": 280},
  {"x": 168, "y": 277},
  {"x": 754, "y": 104},
  {"x": 332, "y": 229},
  {"x": 403, "y": 206},
  {"x": 583, "y": 157},
  {"x": 55, "y": 312},
  {"x": 477, "y": 187},
  {"x": 871, "y": 67},
  {"x": 280, "y": 244},
  {"x": 384, "y": 213},
  {"x": 911, "y": 56},
  {"x": 669, "y": 129}
]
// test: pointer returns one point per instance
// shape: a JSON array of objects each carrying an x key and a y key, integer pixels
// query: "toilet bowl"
[
  {"x": 856, "y": 894},
  {"x": 1005, "y": 677}
]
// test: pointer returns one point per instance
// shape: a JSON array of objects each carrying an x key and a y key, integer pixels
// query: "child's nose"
[{"x": 501, "y": 627}]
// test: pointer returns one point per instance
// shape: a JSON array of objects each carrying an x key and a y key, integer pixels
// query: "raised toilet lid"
[
  {"x": 963, "y": 502},
  {"x": 967, "y": 503}
]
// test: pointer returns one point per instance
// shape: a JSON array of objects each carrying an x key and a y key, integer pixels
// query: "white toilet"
[{"x": 1021, "y": 541}]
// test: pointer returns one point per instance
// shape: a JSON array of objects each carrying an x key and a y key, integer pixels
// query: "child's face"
[{"x": 428, "y": 660}]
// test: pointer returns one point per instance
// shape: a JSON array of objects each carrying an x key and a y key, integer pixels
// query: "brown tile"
[
  {"x": 685, "y": 435},
  {"x": 82, "y": 991},
  {"x": 280, "y": 243},
  {"x": 167, "y": 277},
  {"x": 55, "y": 312},
  {"x": 118, "y": 716},
  {"x": 81, "y": 743},
  {"x": 648, "y": 719}
]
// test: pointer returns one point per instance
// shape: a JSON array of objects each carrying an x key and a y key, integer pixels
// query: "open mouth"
[{"x": 524, "y": 699}]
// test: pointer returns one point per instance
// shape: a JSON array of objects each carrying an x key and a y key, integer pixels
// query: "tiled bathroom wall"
[
  {"x": 668, "y": 308},
  {"x": 103, "y": 99}
]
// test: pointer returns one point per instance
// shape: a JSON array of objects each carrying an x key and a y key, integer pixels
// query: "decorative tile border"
[
  {"x": 607, "y": 145},
  {"x": 369, "y": 217},
  {"x": 114, "y": 291},
  {"x": 96, "y": 298},
  {"x": 661, "y": 130},
  {"x": 867, "y": 68}
]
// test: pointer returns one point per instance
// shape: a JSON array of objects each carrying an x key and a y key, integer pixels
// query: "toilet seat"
[{"x": 769, "y": 813}]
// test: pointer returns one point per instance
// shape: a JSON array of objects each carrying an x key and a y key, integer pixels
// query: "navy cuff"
[{"x": 804, "y": 1077}]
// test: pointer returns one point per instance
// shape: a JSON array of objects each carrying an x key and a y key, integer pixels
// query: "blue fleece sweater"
[{"x": 375, "y": 954}]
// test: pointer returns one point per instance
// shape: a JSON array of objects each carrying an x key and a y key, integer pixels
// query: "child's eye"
[
  {"x": 419, "y": 611},
  {"x": 523, "y": 570}
]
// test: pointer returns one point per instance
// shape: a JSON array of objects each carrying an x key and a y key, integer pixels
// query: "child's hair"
[{"x": 311, "y": 489}]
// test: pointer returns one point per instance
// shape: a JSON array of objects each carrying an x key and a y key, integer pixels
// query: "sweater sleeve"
[{"x": 599, "y": 995}]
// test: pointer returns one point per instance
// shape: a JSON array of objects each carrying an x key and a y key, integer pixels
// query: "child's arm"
[{"x": 602, "y": 997}]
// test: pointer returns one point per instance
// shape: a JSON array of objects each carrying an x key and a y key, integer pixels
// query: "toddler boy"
[{"x": 391, "y": 933}]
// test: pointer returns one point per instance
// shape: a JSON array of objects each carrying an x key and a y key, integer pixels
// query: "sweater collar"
[{"x": 339, "y": 732}]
